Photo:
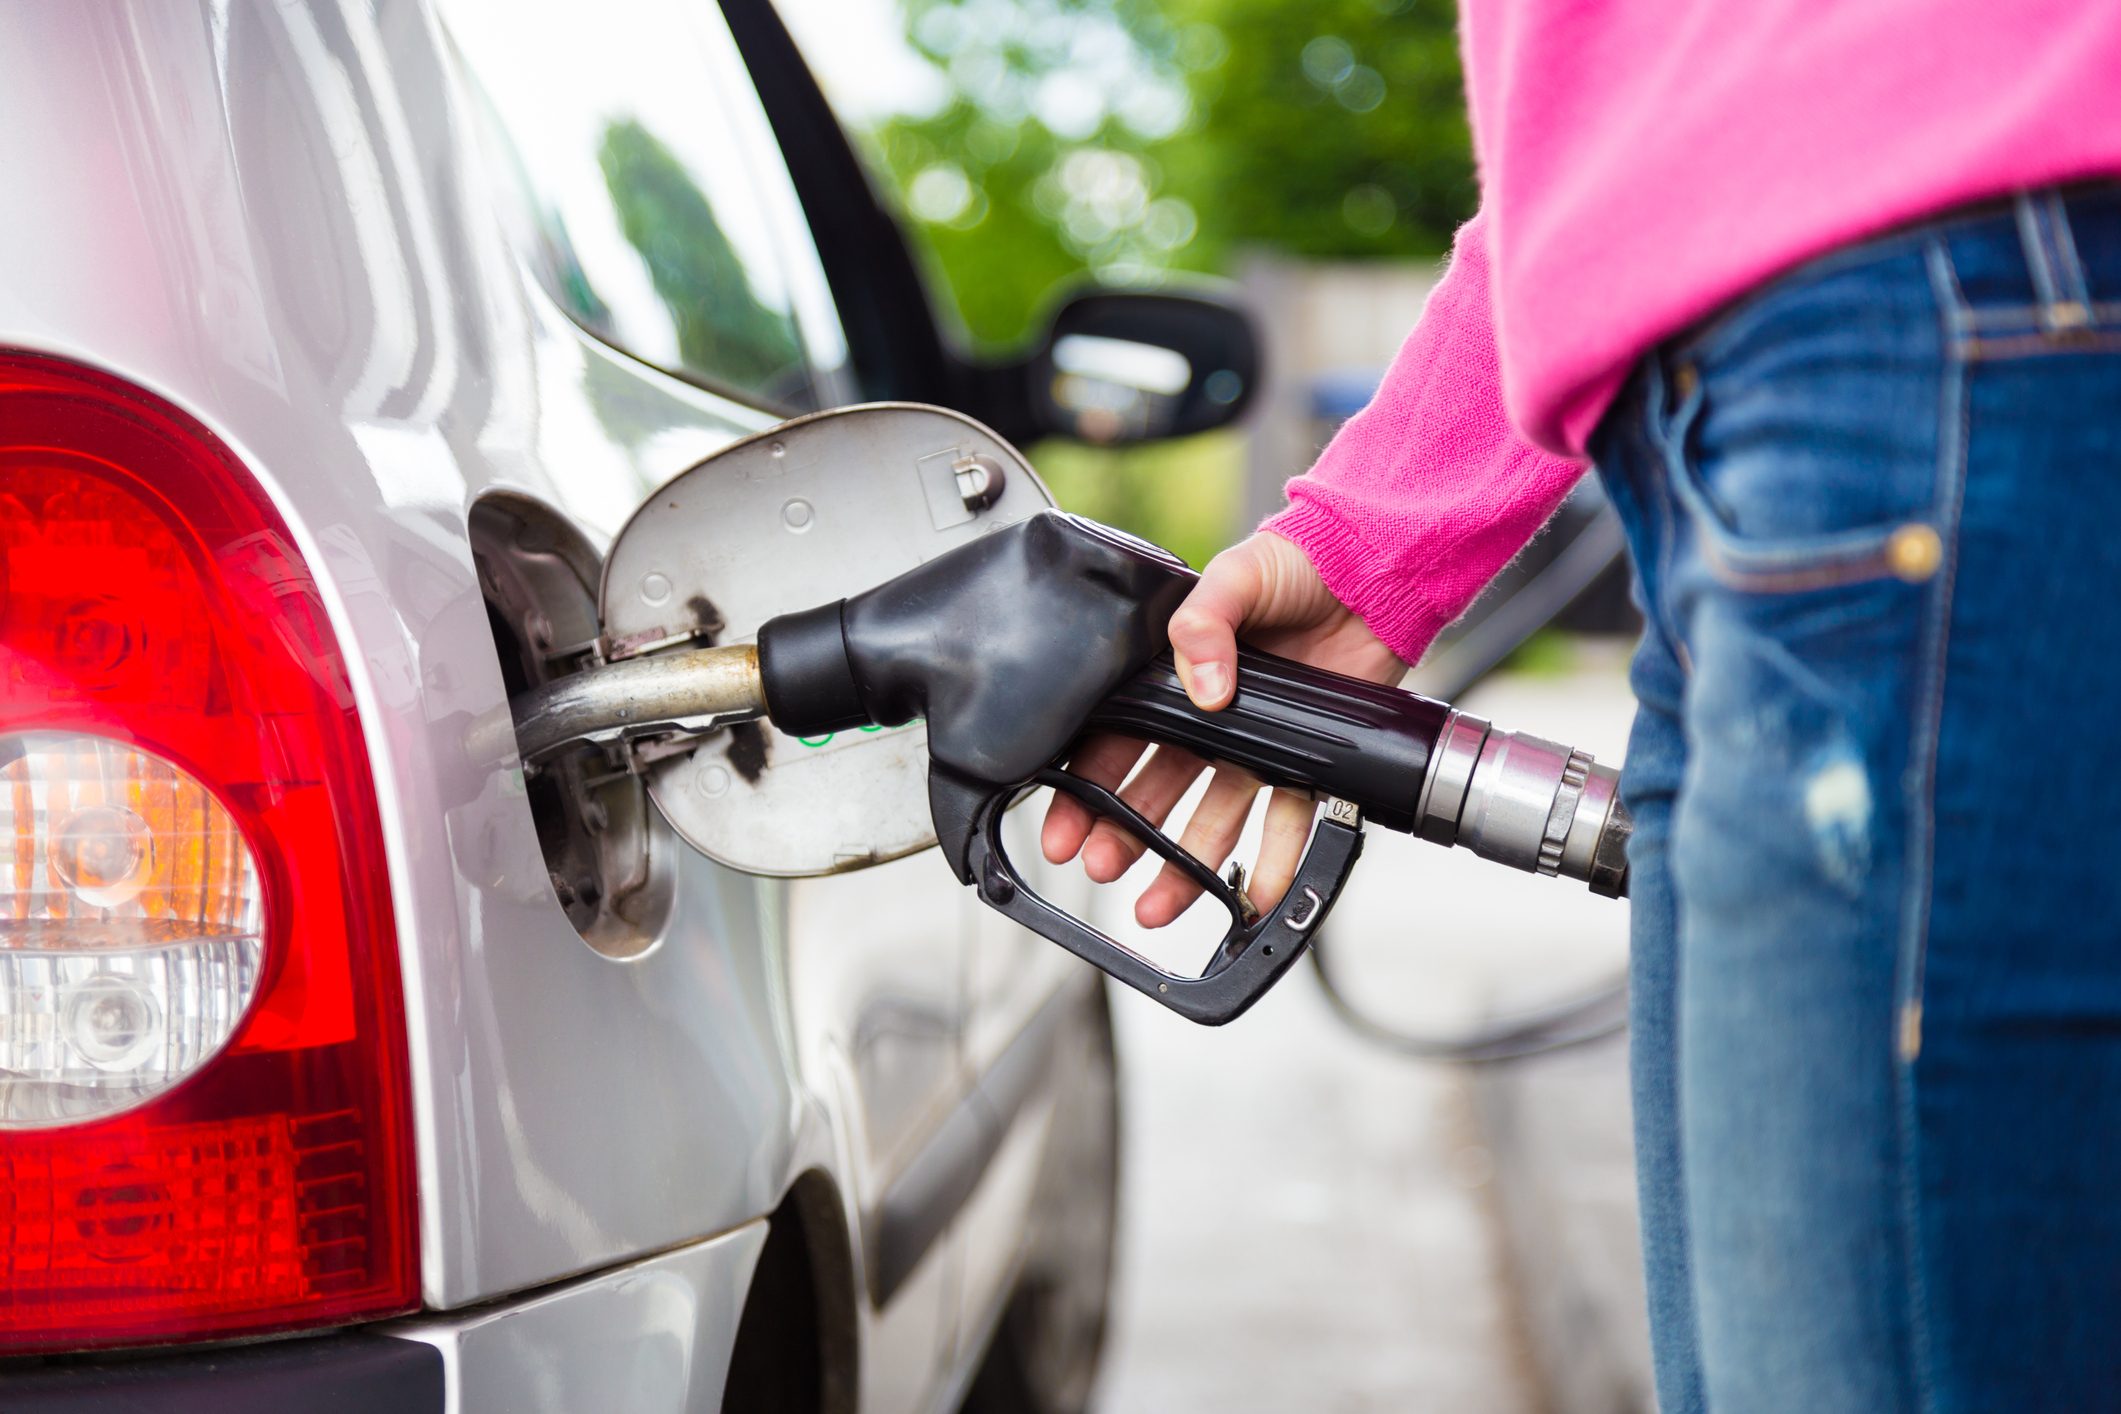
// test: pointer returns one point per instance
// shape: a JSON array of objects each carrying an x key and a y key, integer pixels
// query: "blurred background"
[
  {"x": 1317, "y": 154},
  {"x": 1313, "y": 1217}
]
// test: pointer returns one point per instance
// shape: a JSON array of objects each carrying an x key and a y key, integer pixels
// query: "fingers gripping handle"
[
  {"x": 1412, "y": 764},
  {"x": 1253, "y": 954},
  {"x": 1294, "y": 725}
]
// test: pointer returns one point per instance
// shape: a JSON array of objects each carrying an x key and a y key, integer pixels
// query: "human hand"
[{"x": 1268, "y": 587}]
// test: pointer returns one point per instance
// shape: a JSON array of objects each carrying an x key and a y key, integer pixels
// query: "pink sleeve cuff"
[{"x": 1424, "y": 495}]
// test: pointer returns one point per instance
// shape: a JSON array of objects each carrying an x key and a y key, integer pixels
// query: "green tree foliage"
[
  {"x": 1333, "y": 129},
  {"x": 1122, "y": 138},
  {"x": 1039, "y": 164},
  {"x": 724, "y": 332}
]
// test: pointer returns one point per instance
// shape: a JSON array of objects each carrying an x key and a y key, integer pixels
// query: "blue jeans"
[{"x": 1875, "y": 514}]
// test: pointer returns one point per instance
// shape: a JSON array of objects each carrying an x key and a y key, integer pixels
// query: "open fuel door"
[{"x": 811, "y": 511}]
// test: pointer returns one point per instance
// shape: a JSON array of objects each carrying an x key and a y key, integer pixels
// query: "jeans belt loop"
[{"x": 2051, "y": 257}]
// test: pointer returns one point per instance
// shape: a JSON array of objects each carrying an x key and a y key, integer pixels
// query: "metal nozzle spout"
[
  {"x": 697, "y": 690},
  {"x": 1526, "y": 802}
]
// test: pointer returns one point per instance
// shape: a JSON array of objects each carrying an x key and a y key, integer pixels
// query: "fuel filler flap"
[{"x": 810, "y": 511}]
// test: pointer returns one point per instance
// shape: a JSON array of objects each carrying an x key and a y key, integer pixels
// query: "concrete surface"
[
  {"x": 1310, "y": 1223},
  {"x": 1565, "y": 1208}
]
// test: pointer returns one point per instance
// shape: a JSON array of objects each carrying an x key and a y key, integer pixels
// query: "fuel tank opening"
[{"x": 609, "y": 856}]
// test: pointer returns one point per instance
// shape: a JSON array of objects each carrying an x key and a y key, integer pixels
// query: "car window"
[{"x": 638, "y": 178}]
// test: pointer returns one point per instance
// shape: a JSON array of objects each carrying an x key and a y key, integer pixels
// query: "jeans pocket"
[{"x": 1796, "y": 472}]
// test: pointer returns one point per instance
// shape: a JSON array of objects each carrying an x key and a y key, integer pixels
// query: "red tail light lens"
[{"x": 204, "y": 1117}]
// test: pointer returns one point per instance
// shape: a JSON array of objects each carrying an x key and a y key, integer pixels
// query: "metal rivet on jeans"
[{"x": 1914, "y": 552}]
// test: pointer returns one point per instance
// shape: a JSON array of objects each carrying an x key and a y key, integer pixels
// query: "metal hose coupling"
[
  {"x": 664, "y": 694},
  {"x": 1523, "y": 801}
]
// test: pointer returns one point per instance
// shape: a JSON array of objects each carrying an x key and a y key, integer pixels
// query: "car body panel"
[
  {"x": 649, "y": 1337},
  {"x": 378, "y": 373},
  {"x": 272, "y": 214}
]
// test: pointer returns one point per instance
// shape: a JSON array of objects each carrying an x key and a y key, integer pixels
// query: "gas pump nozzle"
[{"x": 1016, "y": 645}]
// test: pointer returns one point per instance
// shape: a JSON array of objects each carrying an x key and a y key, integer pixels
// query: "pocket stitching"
[
  {"x": 1790, "y": 566},
  {"x": 1912, "y": 950}
]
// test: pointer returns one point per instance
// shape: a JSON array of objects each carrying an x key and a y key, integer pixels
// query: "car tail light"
[
  {"x": 131, "y": 912},
  {"x": 204, "y": 1117}
]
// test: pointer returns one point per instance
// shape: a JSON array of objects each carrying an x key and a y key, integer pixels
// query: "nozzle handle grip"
[
  {"x": 1255, "y": 951},
  {"x": 1294, "y": 725}
]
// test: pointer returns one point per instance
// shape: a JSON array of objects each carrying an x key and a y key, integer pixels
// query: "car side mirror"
[{"x": 1121, "y": 366}]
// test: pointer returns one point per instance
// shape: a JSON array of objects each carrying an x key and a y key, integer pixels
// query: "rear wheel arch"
[{"x": 797, "y": 1347}]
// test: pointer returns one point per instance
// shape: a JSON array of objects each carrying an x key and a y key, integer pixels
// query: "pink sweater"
[{"x": 1643, "y": 162}]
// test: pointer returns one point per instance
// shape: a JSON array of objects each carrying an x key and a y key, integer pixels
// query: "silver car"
[{"x": 339, "y": 1067}]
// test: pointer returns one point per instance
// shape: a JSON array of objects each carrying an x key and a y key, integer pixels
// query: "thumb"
[{"x": 1204, "y": 630}]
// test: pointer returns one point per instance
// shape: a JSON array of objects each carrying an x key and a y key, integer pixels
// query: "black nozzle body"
[
  {"x": 1293, "y": 725},
  {"x": 806, "y": 675},
  {"x": 1004, "y": 644},
  {"x": 1015, "y": 644}
]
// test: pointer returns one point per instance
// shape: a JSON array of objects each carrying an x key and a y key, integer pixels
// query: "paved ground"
[{"x": 1312, "y": 1224}]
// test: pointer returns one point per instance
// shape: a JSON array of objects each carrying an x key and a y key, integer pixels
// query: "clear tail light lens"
[
  {"x": 205, "y": 1127},
  {"x": 131, "y": 927}
]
